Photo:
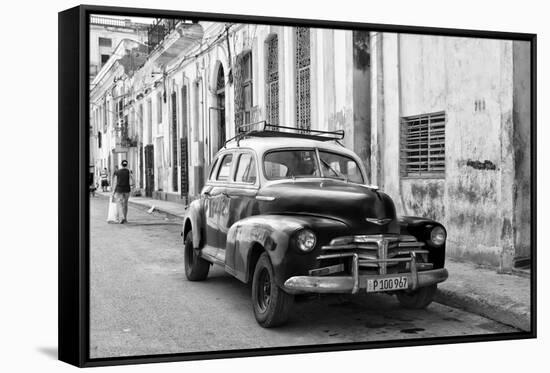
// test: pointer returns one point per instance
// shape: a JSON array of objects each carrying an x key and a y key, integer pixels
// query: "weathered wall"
[
  {"x": 472, "y": 81},
  {"x": 361, "y": 97},
  {"x": 522, "y": 147}
]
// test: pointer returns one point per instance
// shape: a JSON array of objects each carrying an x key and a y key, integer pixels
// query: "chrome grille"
[{"x": 375, "y": 251}]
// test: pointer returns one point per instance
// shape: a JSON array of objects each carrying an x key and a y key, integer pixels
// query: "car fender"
[
  {"x": 193, "y": 220},
  {"x": 249, "y": 237},
  {"x": 420, "y": 228}
]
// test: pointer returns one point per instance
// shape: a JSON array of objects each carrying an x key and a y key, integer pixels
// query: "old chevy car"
[{"x": 292, "y": 213}]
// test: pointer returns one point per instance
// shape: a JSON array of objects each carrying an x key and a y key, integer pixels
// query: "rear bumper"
[{"x": 352, "y": 284}]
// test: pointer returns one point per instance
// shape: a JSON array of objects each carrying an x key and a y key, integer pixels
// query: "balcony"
[
  {"x": 168, "y": 38},
  {"x": 158, "y": 31},
  {"x": 124, "y": 140}
]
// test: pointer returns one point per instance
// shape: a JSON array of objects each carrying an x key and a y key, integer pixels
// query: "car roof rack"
[{"x": 264, "y": 129}]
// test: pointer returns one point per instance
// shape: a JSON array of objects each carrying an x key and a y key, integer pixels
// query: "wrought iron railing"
[{"x": 158, "y": 31}]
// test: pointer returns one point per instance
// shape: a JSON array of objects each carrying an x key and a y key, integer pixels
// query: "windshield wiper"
[{"x": 336, "y": 173}]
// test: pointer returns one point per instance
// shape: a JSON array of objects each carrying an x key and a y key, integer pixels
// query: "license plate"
[{"x": 387, "y": 284}]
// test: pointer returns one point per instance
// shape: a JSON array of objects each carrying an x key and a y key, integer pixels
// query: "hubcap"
[
  {"x": 190, "y": 253},
  {"x": 264, "y": 290}
]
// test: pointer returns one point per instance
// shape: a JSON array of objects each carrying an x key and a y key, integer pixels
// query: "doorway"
[{"x": 149, "y": 170}]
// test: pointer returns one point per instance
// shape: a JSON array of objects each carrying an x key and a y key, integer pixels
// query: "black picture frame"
[{"x": 74, "y": 233}]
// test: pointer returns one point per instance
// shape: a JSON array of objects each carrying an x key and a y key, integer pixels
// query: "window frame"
[
  {"x": 231, "y": 168},
  {"x": 159, "y": 108},
  {"x": 236, "y": 166},
  {"x": 101, "y": 58},
  {"x": 101, "y": 38}
]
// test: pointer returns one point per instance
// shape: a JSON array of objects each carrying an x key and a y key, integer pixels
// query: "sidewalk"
[
  {"x": 500, "y": 297},
  {"x": 173, "y": 209}
]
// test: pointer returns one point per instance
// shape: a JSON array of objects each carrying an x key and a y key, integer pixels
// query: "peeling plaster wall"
[{"x": 472, "y": 81}]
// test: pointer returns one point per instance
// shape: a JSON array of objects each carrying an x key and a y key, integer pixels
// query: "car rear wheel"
[
  {"x": 196, "y": 268},
  {"x": 271, "y": 304},
  {"x": 417, "y": 299}
]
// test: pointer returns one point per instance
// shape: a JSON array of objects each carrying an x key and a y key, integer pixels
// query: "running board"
[{"x": 213, "y": 255}]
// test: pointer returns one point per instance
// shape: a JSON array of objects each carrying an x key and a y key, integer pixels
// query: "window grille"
[
  {"x": 303, "y": 73},
  {"x": 243, "y": 89},
  {"x": 423, "y": 145},
  {"x": 272, "y": 89}
]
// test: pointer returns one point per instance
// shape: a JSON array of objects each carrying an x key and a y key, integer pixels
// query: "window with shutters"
[
  {"x": 423, "y": 145},
  {"x": 272, "y": 80},
  {"x": 243, "y": 88},
  {"x": 303, "y": 74}
]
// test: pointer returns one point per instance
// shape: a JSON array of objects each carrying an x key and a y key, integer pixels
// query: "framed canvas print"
[{"x": 235, "y": 186}]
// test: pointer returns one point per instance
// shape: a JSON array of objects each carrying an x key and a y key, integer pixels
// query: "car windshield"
[
  {"x": 340, "y": 167},
  {"x": 287, "y": 164}
]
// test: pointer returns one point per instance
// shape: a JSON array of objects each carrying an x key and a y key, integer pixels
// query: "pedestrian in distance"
[
  {"x": 104, "y": 176},
  {"x": 123, "y": 182}
]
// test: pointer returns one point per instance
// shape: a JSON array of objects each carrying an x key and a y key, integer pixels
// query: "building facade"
[
  {"x": 105, "y": 35},
  {"x": 442, "y": 124},
  {"x": 451, "y": 138}
]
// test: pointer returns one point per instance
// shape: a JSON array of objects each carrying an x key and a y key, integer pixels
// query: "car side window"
[
  {"x": 225, "y": 168},
  {"x": 246, "y": 169}
]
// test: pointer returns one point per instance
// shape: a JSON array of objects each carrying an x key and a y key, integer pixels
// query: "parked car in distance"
[{"x": 291, "y": 212}]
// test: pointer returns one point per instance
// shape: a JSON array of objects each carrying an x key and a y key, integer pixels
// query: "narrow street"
[{"x": 141, "y": 302}]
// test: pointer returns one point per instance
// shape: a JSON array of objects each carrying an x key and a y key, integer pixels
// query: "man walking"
[
  {"x": 104, "y": 175},
  {"x": 123, "y": 181}
]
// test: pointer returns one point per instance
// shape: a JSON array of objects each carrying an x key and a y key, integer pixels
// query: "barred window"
[
  {"x": 423, "y": 145},
  {"x": 272, "y": 80},
  {"x": 303, "y": 73}
]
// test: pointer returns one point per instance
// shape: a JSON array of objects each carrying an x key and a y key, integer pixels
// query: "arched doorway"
[{"x": 220, "y": 105}]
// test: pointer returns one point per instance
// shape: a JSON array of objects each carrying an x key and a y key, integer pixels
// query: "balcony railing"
[
  {"x": 158, "y": 31},
  {"x": 112, "y": 22}
]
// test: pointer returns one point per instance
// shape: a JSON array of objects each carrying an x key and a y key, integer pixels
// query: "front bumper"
[{"x": 352, "y": 284}]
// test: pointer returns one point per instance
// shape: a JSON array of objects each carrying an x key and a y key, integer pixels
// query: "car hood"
[{"x": 365, "y": 210}]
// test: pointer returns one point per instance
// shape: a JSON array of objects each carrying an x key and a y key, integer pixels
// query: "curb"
[
  {"x": 511, "y": 313},
  {"x": 145, "y": 207}
]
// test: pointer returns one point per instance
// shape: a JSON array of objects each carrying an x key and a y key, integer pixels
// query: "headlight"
[
  {"x": 305, "y": 239},
  {"x": 438, "y": 236}
]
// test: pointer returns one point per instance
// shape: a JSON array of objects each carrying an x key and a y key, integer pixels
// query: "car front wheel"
[
  {"x": 271, "y": 304},
  {"x": 196, "y": 268},
  {"x": 417, "y": 299}
]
